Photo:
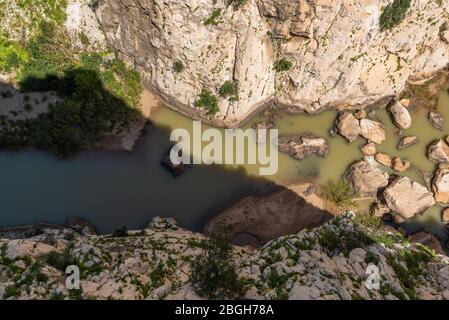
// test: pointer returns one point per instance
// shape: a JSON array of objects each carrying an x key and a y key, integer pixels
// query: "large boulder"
[
  {"x": 348, "y": 126},
  {"x": 407, "y": 198},
  {"x": 438, "y": 151},
  {"x": 303, "y": 146},
  {"x": 372, "y": 130},
  {"x": 401, "y": 116},
  {"x": 366, "y": 178},
  {"x": 440, "y": 185}
]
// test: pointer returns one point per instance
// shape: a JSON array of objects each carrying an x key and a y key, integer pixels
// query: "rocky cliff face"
[
  {"x": 329, "y": 262},
  {"x": 340, "y": 56}
]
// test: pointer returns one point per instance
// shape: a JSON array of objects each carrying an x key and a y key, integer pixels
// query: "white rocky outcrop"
[
  {"x": 340, "y": 56},
  {"x": 440, "y": 185},
  {"x": 329, "y": 262}
]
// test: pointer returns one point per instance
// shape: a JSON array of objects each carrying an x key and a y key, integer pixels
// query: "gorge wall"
[{"x": 340, "y": 56}]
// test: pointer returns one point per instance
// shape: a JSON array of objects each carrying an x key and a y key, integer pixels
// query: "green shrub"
[
  {"x": 228, "y": 89},
  {"x": 214, "y": 275},
  {"x": 394, "y": 14},
  {"x": 208, "y": 101},
  {"x": 213, "y": 19},
  {"x": 340, "y": 192},
  {"x": 178, "y": 67},
  {"x": 60, "y": 260},
  {"x": 11, "y": 292},
  {"x": 282, "y": 65}
]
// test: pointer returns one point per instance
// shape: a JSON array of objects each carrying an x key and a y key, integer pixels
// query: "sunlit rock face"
[{"x": 339, "y": 55}]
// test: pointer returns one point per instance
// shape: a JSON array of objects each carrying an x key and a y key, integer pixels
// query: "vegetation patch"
[
  {"x": 213, "y": 18},
  {"x": 394, "y": 14},
  {"x": 340, "y": 193},
  {"x": 214, "y": 275},
  {"x": 98, "y": 94},
  {"x": 229, "y": 90},
  {"x": 282, "y": 65},
  {"x": 208, "y": 101}
]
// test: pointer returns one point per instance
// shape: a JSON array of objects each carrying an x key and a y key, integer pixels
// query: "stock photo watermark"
[{"x": 235, "y": 147}]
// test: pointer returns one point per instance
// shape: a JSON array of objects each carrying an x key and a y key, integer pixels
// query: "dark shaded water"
[{"x": 116, "y": 189}]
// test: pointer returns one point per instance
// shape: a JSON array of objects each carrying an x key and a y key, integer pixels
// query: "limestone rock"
[
  {"x": 366, "y": 178},
  {"x": 438, "y": 151},
  {"x": 383, "y": 159},
  {"x": 348, "y": 126},
  {"x": 360, "y": 114},
  {"x": 407, "y": 141},
  {"x": 440, "y": 185},
  {"x": 400, "y": 165},
  {"x": 436, "y": 119},
  {"x": 366, "y": 56},
  {"x": 368, "y": 149},
  {"x": 372, "y": 131},
  {"x": 300, "y": 147},
  {"x": 445, "y": 216},
  {"x": 401, "y": 116},
  {"x": 407, "y": 198}
]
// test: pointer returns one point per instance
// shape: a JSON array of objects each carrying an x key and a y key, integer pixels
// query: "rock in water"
[
  {"x": 407, "y": 198},
  {"x": 408, "y": 141},
  {"x": 445, "y": 216},
  {"x": 300, "y": 147},
  {"x": 262, "y": 130},
  {"x": 372, "y": 131},
  {"x": 438, "y": 151},
  {"x": 440, "y": 185},
  {"x": 383, "y": 159},
  {"x": 401, "y": 116},
  {"x": 400, "y": 165},
  {"x": 175, "y": 169},
  {"x": 348, "y": 126},
  {"x": 366, "y": 179},
  {"x": 436, "y": 119},
  {"x": 368, "y": 149}
]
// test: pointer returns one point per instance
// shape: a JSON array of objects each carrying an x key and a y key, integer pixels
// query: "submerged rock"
[
  {"x": 175, "y": 169},
  {"x": 348, "y": 126},
  {"x": 438, "y": 151},
  {"x": 366, "y": 178},
  {"x": 407, "y": 198},
  {"x": 440, "y": 185},
  {"x": 261, "y": 129},
  {"x": 400, "y": 165},
  {"x": 407, "y": 141},
  {"x": 372, "y": 130},
  {"x": 383, "y": 159},
  {"x": 368, "y": 149},
  {"x": 300, "y": 147},
  {"x": 445, "y": 216},
  {"x": 401, "y": 116},
  {"x": 436, "y": 119}
]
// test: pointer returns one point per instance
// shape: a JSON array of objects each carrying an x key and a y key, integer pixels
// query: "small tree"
[
  {"x": 393, "y": 14},
  {"x": 282, "y": 65},
  {"x": 208, "y": 101},
  {"x": 229, "y": 90},
  {"x": 214, "y": 276},
  {"x": 339, "y": 192},
  {"x": 178, "y": 67}
]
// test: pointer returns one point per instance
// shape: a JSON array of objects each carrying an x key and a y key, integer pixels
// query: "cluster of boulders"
[
  {"x": 351, "y": 126},
  {"x": 329, "y": 262}
]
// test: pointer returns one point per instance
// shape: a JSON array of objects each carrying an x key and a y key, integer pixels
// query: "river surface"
[{"x": 116, "y": 189}]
